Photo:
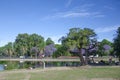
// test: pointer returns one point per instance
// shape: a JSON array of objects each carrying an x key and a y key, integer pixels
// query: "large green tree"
[
  {"x": 117, "y": 43},
  {"x": 36, "y": 41},
  {"x": 105, "y": 41},
  {"x": 105, "y": 47},
  {"x": 21, "y": 44},
  {"x": 7, "y": 50},
  {"x": 25, "y": 42},
  {"x": 80, "y": 39},
  {"x": 49, "y": 41},
  {"x": 61, "y": 51}
]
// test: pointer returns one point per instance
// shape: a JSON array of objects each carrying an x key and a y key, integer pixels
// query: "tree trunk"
[
  {"x": 82, "y": 60},
  {"x": 86, "y": 60},
  {"x": 119, "y": 58},
  {"x": 86, "y": 56}
]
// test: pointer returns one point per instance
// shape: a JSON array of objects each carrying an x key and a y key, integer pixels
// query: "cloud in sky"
[
  {"x": 106, "y": 29},
  {"x": 76, "y": 14},
  {"x": 84, "y": 10},
  {"x": 71, "y": 14}
]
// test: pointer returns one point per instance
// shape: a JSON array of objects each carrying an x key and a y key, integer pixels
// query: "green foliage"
[
  {"x": 49, "y": 41},
  {"x": 7, "y": 50},
  {"x": 12, "y": 65},
  {"x": 27, "y": 65},
  {"x": 61, "y": 51},
  {"x": 21, "y": 44},
  {"x": 117, "y": 43},
  {"x": 2, "y": 62},
  {"x": 25, "y": 42},
  {"x": 57, "y": 46},
  {"x": 105, "y": 41},
  {"x": 2, "y": 51},
  {"x": 78, "y": 38},
  {"x": 101, "y": 51}
]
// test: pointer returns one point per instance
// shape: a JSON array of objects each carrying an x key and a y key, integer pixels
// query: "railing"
[
  {"x": 55, "y": 59},
  {"x": 43, "y": 60}
]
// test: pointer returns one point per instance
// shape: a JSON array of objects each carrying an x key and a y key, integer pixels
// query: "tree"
[
  {"x": 61, "y": 51},
  {"x": 25, "y": 42},
  {"x": 49, "y": 50},
  {"x": 37, "y": 41},
  {"x": 116, "y": 43},
  {"x": 9, "y": 49},
  {"x": 34, "y": 52},
  {"x": 106, "y": 42},
  {"x": 21, "y": 44},
  {"x": 2, "y": 51},
  {"x": 49, "y": 41},
  {"x": 57, "y": 46},
  {"x": 105, "y": 47},
  {"x": 80, "y": 39}
]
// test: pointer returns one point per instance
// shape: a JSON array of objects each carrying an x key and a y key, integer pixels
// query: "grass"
[{"x": 81, "y": 73}]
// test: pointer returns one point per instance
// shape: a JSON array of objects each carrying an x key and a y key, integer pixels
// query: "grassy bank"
[{"x": 86, "y": 73}]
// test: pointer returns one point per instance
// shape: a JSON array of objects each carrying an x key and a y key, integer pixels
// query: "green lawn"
[{"x": 81, "y": 73}]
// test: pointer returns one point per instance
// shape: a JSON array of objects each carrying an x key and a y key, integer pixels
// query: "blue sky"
[{"x": 54, "y": 18}]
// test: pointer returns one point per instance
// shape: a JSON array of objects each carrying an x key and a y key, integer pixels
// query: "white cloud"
[
  {"x": 73, "y": 14},
  {"x": 83, "y": 10},
  {"x": 106, "y": 29}
]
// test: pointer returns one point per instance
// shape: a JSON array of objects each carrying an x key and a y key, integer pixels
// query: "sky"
[{"x": 54, "y": 18}]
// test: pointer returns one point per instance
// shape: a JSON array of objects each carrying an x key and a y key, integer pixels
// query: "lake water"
[{"x": 1, "y": 67}]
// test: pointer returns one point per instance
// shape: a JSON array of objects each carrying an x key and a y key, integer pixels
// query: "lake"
[{"x": 1, "y": 67}]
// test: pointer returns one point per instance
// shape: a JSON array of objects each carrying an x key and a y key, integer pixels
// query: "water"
[{"x": 1, "y": 67}]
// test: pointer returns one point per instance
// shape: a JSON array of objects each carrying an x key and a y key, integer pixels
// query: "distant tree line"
[
  {"x": 32, "y": 45},
  {"x": 78, "y": 42}
]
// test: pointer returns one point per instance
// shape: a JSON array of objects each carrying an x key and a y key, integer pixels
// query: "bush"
[{"x": 12, "y": 65}]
